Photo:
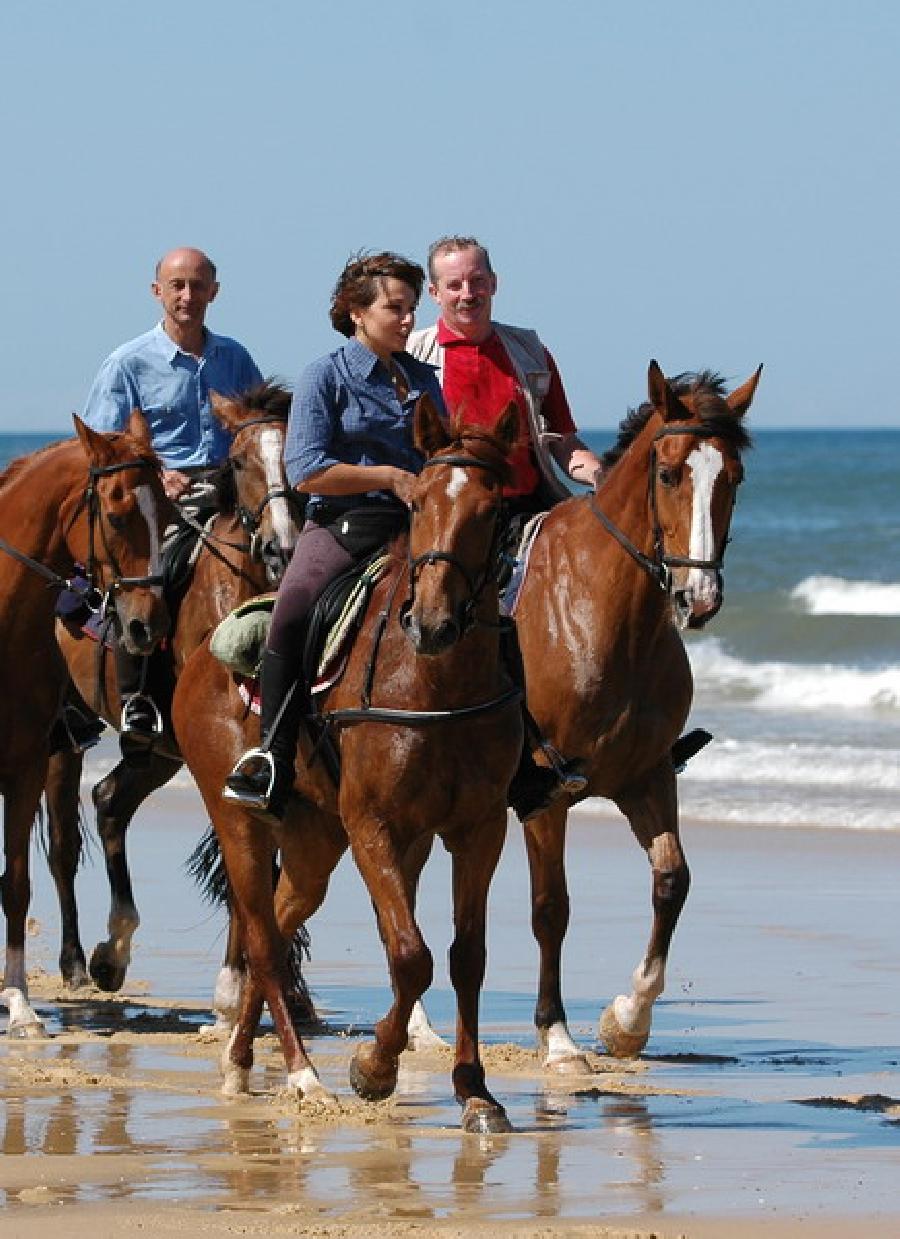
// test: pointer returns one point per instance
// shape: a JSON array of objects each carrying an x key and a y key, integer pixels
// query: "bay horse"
[
  {"x": 612, "y": 580},
  {"x": 96, "y": 502},
  {"x": 429, "y": 733},
  {"x": 242, "y": 553}
]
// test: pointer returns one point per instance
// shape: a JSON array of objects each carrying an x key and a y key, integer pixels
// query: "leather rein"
[
  {"x": 659, "y": 565},
  {"x": 367, "y": 713}
]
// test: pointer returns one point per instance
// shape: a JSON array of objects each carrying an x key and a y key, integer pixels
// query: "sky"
[{"x": 710, "y": 184}]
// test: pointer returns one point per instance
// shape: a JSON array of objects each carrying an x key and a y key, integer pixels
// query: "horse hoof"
[
  {"x": 364, "y": 1081},
  {"x": 484, "y": 1118},
  {"x": 618, "y": 1042},
  {"x": 571, "y": 1065},
  {"x": 106, "y": 973},
  {"x": 235, "y": 1080},
  {"x": 33, "y": 1030},
  {"x": 76, "y": 978}
]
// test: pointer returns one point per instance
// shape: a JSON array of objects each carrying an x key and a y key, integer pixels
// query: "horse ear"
[
  {"x": 221, "y": 410},
  {"x": 742, "y": 397},
  {"x": 429, "y": 432},
  {"x": 506, "y": 430},
  {"x": 139, "y": 430},
  {"x": 96, "y": 447},
  {"x": 663, "y": 399}
]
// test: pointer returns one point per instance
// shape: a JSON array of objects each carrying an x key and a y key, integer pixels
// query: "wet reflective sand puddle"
[{"x": 135, "y": 1089}]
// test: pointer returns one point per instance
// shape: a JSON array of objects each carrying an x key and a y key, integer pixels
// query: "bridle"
[
  {"x": 91, "y": 501},
  {"x": 659, "y": 566},
  {"x": 251, "y": 518},
  {"x": 476, "y": 584},
  {"x": 82, "y": 584}
]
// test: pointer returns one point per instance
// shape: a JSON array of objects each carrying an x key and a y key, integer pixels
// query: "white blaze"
[
  {"x": 456, "y": 483},
  {"x": 146, "y": 501},
  {"x": 271, "y": 442},
  {"x": 705, "y": 463}
]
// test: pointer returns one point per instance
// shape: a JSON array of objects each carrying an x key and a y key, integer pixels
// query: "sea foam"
[
  {"x": 833, "y": 595},
  {"x": 776, "y": 685}
]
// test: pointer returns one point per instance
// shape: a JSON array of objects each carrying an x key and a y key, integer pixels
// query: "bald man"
[{"x": 168, "y": 373}]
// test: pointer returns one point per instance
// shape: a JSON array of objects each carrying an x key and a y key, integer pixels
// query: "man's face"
[
  {"x": 464, "y": 289},
  {"x": 185, "y": 287}
]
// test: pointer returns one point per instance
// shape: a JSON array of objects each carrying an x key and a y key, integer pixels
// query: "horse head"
[
  {"x": 454, "y": 524},
  {"x": 265, "y": 504},
  {"x": 695, "y": 472},
  {"x": 120, "y": 542}
]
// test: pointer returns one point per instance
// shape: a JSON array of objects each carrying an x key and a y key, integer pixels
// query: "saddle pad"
[
  {"x": 239, "y": 639},
  {"x": 510, "y": 596}
]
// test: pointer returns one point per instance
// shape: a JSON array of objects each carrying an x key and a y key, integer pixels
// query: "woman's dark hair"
[{"x": 360, "y": 283}]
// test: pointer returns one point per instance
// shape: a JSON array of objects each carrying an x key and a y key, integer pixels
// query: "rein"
[
  {"x": 367, "y": 713},
  {"x": 83, "y": 584},
  {"x": 659, "y": 565}
]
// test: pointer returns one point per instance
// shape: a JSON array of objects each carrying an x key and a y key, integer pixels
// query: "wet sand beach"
[{"x": 768, "y": 1101}]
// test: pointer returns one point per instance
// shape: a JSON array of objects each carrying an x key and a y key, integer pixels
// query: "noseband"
[
  {"x": 659, "y": 566},
  {"x": 476, "y": 585}
]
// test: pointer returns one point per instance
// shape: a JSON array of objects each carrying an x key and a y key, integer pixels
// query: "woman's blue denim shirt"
[{"x": 346, "y": 411}]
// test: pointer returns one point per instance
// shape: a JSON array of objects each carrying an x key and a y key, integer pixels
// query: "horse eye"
[
  {"x": 667, "y": 475},
  {"x": 117, "y": 522},
  {"x": 236, "y": 463}
]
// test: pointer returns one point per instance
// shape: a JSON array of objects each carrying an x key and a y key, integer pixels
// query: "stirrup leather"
[
  {"x": 250, "y": 799},
  {"x": 137, "y": 707},
  {"x": 570, "y": 779}
]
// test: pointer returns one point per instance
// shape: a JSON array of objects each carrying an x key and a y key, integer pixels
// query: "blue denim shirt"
[
  {"x": 171, "y": 388},
  {"x": 346, "y": 411}
]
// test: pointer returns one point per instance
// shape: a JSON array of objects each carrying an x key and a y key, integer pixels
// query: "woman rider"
[{"x": 349, "y": 447}]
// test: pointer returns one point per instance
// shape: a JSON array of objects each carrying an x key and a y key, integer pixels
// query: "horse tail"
[{"x": 206, "y": 867}]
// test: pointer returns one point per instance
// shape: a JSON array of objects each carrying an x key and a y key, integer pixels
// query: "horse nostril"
[{"x": 139, "y": 635}]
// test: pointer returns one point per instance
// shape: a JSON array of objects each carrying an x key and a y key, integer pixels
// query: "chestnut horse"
[
  {"x": 242, "y": 553},
  {"x": 429, "y": 732},
  {"x": 612, "y": 578},
  {"x": 96, "y": 501}
]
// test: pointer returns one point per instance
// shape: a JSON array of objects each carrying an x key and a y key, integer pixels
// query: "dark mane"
[
  {"x": 270, "y": 398},
  {"x": 707, "y": 389}
]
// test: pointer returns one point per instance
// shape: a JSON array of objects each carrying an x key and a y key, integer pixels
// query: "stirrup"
[
  {"x": 136, "y": 710},
  {"x": 250, "y": 799},
  {"x": 570, "y": 779}
]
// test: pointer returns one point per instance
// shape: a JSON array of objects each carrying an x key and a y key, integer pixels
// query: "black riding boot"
[
  {"x": 141, "y": 723},
  {"x": 263, "y": 779}
]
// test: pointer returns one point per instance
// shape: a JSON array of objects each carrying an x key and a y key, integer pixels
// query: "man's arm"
[{"x": 576, "y": 459}]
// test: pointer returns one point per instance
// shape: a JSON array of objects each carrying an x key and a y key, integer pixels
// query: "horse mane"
[
  {"x": 270, "y": 398},
  {"x": 16, "y": 466},
  {"x": 707, "y": 389}
]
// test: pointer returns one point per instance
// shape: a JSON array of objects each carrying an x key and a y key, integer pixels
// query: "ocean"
[{"x": 798, "y": 677}]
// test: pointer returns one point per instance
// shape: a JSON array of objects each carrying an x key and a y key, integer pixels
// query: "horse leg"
[
  {"x": 545, "y": 840},
  {"x": 373, "y": 1069},
  {"x": 116, "y": 799},
  {"x": 474, "y": 862},
  {"x": 652, "y": 811},
  {"x": 247, "y": 852},
  {"x": 419, "y": 1033},
  {"x": 22, "y": 798},
  {"x": 64, "y": 818}
]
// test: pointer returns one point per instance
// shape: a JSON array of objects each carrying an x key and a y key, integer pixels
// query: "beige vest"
[{"x": 529, "y": 359}]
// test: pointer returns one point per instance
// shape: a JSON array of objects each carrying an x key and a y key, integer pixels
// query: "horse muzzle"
[
  {"x": 430, "y": 638},
  {"x": 143, "y": 620}
]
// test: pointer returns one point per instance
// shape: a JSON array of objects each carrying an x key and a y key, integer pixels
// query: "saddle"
[{"x": 329, "y": 633}]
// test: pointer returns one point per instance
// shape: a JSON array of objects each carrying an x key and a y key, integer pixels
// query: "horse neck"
[
  {"x": 39, "y": 504},
  {"x": 586, "y": 560}
]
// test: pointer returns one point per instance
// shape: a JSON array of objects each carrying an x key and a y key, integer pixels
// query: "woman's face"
[{"x": 384, "y": 326}]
